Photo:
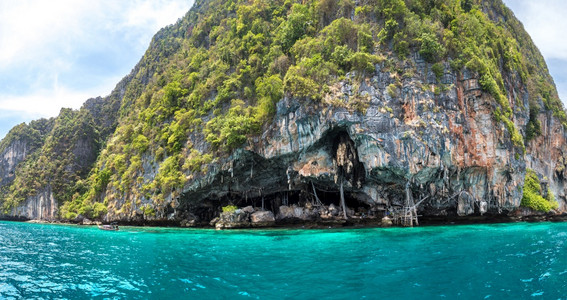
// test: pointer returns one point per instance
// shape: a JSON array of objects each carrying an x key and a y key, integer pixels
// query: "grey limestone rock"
[{"x": 262, "y": 218}]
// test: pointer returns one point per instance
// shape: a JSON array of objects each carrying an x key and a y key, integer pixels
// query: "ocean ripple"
[{"x": 481, "y": 261}]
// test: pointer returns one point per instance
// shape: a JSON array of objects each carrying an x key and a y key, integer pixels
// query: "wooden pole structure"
[
  {"x": 343, "y": 200},
  {"x": 319, "y": 203},
  {"x": 410, "y": 213},
  {"x": 263, "y": 208}
]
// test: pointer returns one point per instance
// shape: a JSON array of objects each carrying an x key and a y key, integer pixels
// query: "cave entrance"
[
  {"x": 329, "y": 196},
  {"x": 350, "y": 171},
  {"x": 345, "y": 157},
  {"x": 343, "y": 192},
  {"x": 270, "y": 201}
]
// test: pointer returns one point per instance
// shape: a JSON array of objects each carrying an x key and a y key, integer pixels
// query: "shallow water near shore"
[{"x": 498, "y": 261}]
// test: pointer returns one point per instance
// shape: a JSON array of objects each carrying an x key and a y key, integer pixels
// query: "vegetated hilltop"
[{"x": 444, "y": 103}]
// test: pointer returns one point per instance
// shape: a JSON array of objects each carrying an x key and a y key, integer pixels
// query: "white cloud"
[
  {"x": 47, "y": 102},
  {"x": 29, "y": 29},
  {"x": 32, "y": 29},
  {"x": 58, "y": 53}
]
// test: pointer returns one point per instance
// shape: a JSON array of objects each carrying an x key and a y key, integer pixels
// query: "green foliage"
[
  {"x": 304, "y": 79},
  {"x": 401, "y": 45},
  {"x": 340, "y": 47},
  {"x": 229, "y": 209},
  {"x": 392, "y": 90},
  {"x": 533, "y": 128},
  {"x": 100, "y": 180},
  {"x": 147, "y": 210},
  {"x": 169, "y": 176},
  {"x": 269, "y": 90},
  {"x": 341, "y": 56},
  {"x": 467, "y": 5},
  {"x": 229, "y": 131},
  {"x": 99, "y": 210},
  {"x": 301, "y": 86},
  {"x": 438, "y": 69},
  {"x": 363, "y": 62},
  {"x": 297, "y": 24},
  {"x": 532, "y": 197},
  {"x": 488, "y": 84},
  {"x": 140, "y": 143},
  {"x": 82, "y": 205},
  {"x": 517, "y": 139},
  {"x": 196, "y": 160},
  {"x": 171, "y": 94},
  {"x": 431, "y": 50},
  {"x": 364, "y": 40}
]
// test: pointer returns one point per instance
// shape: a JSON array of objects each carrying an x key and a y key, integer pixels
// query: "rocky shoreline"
[{"x": 324, "y": 217}]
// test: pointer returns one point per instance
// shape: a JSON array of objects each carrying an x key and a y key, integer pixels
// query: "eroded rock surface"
[
  {"x": 448, "y": 147},
  {"x": 262, "y": 218},
  {"x": 377, "y": 141}
]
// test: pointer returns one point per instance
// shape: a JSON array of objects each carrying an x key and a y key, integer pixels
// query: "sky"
[
  {"x": 59, "y": 53},
  {"x": 546, "y": 22}
]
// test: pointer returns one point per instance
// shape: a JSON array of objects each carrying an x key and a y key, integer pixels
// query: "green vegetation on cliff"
[
  {"x": 33, "y": 134},
  {"x": 64, "y": 158},
  {"x": 533, "y": 194},
  {"x": 211, "y": 81}
]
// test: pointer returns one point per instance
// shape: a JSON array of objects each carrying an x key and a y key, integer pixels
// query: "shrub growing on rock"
[
  {"x": 229, "y": 208},
  {"x": 532, "y": 197}
]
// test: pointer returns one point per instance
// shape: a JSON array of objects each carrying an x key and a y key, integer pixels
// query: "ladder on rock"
[
  {"x": 409, "y": 217},
  {"x": 409, "y": 211}
]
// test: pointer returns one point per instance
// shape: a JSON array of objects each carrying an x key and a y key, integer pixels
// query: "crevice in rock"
[{"x": 345, "y": 156}]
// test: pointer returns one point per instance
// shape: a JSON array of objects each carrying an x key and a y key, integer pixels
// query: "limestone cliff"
[
  {"x": 448, "y": 147},
  {"x": 286, "y": 106},
  {"x": 21, "y": 141},
  {"x": 11, "y": 157}
]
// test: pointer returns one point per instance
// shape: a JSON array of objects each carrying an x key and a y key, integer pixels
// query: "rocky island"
[{"x": 274, "y": 113}]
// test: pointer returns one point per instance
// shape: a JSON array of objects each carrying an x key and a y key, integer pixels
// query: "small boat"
[{"x": 111, "y": 227}]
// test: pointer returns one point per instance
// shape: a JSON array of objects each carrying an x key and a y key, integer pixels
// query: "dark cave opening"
[
  {"x": 304, "y": 197},
  {"x": 329, "y": 197},
  {"x": 314, "y": 194},
  {"x": 345, "y": 157}
]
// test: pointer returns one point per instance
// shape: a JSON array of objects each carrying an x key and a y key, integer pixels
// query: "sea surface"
[{"x": 499, "y": 261}]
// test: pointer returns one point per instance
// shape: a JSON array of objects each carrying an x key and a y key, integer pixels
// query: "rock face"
[
  {"x": 233, "y": 219},
  {"x": 402, "y": 131},
  {"x": 10, "y": 158},
  {"x": 262, "y": 218},
  {"x": 287, "y": 213},
  {"x": 546, "y": 155},
  {"x": 42, "y": 206},
  {"x": 448, "y": 147},
  {"x": 243, "y": 218},
  {"x": 386, "y": 222}
]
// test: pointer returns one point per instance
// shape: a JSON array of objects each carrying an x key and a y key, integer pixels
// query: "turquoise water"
[{"x": 503, "y": 261}]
